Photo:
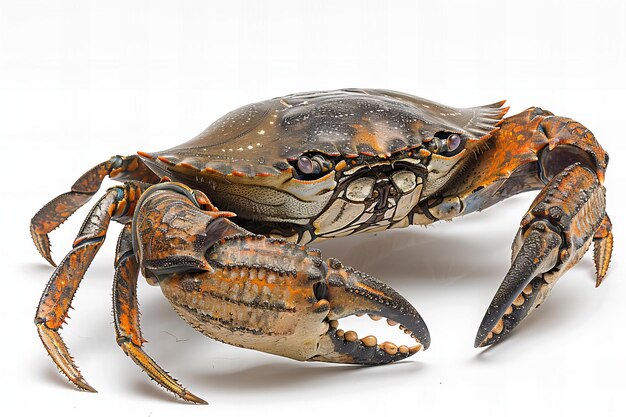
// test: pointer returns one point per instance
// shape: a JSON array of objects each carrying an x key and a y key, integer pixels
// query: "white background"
[{"x": 81, "y": 81}]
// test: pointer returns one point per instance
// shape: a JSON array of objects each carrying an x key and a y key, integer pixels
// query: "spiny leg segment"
[
  {"x": 602, "y": 249},
  {"x": 126, "y": 316},
  {"x": 59, "y": 209},
  {"x": 117, "y": 204}
]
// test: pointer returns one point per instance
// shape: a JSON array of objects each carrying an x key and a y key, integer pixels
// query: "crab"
[{"x": 220, "y": 222}]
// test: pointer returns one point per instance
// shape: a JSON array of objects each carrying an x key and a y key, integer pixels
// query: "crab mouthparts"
[{"x": 351, "y": 293}]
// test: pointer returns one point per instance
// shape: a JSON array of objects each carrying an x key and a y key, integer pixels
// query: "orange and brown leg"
[
  {"x": 118, "y": 204},
  {"x": 565, "y": 218},
  {"x": 602, "y": 249},
  {"x": 60, "y": 208},
  {"x": 126, "y": 316}
]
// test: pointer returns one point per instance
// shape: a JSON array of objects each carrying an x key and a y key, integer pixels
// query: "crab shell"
[{"x": 245, "y": 160}]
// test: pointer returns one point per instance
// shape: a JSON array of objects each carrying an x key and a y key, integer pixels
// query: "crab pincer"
[
  {"x": 350, "y": 292},
  {"x": 565, "y": 218}
]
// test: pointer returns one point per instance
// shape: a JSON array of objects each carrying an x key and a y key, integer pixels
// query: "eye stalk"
[
  {"x": 312, "y": 166},
  {"x": 446, "y": 144}
]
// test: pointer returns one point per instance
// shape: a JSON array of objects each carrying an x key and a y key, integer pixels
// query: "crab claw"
[
  {"x": 350, "y": 292},
  {"x": 262, "y": 293},
  {"x": 524, "y": 287},
  {"x": 280, "y": 298},
  {"x": 563, "y": 221}
]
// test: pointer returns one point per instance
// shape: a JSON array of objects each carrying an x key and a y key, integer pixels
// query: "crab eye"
[
  {"x": 309, "y": 166},
  {"x": 446, "y": 144},
  {"x": 453, "y": 142},
  {"x": 306, "y": 166}
]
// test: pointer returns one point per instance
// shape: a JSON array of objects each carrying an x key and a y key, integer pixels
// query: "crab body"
[
  {"x": 375, "y": 146},
  {"x": 290, "y": 170}
]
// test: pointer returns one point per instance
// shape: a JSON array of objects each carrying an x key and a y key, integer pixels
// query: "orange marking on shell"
[
  {"x": 263, "y": 174},
  {"x": 145, "y": 154},
  {"x": 238, "y": 174},
  {"x": 164, "y": 159},
  {"x": 366, "y": 137},
  {"x": 341, "y": 165},
  {"x": 187, "y": 165}
]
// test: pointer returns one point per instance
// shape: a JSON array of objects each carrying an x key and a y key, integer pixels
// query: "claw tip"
[{"x": 485, "y": 342}]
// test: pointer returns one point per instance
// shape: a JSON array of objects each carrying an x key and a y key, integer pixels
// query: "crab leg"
[
  {"x": 556, "y": 232},
  {"x": 60, "y": 208},
  {"x": 602, "y": 249},
  {"x": 126, "y": 316},
  {"x": 55, "y": 302}
]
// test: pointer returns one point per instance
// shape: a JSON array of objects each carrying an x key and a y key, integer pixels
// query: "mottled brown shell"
[{"x": 259, "y": 139}]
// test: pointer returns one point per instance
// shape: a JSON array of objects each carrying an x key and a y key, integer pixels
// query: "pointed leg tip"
[
  {"x": 42, "y": 243},
  {"x": 57, "y": 350},
  {"x": 194, "y": 399},
  {"x": 50, "y": 260},
  {"x": 82, "y": 384}
]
